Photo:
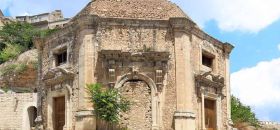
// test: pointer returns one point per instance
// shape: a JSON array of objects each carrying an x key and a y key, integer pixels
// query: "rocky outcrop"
[{"x": 20, "y": 74}]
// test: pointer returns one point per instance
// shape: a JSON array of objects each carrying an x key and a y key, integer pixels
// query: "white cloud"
[
  {"x": 22, "y": 7},
  {"x": 259, "y": 87},
  {"x": 233, "y": 15}
]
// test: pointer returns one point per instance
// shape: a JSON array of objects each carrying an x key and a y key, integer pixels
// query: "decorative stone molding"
[
  {"x": 209, "y": 79},
  {"x": 85, "y": 113},
  {"x": 228, "y": 47},
  {"x": 57, "y": 75},
  {"x": 206, "y": 45},
  {"x": 186, "y": 114},
  {"x": 136, "y": 56},
  {"x": 117, "y": 59}
]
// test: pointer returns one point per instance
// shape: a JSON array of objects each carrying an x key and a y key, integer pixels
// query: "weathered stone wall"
[
  {"x": 141, "y": 37},
  {"x": 219, "y": 68},
  {"x": 67, "y": 38},
  {"x": 140, "y": 114},
  {"x": 13, "y": 110},
  {"x": 134, "y": 37}
]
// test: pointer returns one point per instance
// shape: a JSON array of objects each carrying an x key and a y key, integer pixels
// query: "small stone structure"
[
  {"x": 176, "y": 75},
  {"x": 18, "y": 103},
  {"x": 18, "y": 111}
]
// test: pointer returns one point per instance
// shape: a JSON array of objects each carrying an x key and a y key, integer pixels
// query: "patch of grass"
[
  {"x": 35, "y": 64},
  {"x": 11, "y": 51},
  {"x": 13, "y": 69}
]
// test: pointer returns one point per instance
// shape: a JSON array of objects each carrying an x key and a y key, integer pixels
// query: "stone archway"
[
  {"x": 32, "y": 114},
  {"x": 145, "y": 84}
]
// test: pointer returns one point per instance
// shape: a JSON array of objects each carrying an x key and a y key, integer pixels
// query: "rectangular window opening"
[
  {"x": 207, "y": 60},
  {"x": 159, "y": 76},
  {"x": 112, "y": 75},
  {"x": 61, "y": 58}
]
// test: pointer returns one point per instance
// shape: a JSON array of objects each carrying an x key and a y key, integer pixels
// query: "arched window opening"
[{"x": 32, "y": 114}]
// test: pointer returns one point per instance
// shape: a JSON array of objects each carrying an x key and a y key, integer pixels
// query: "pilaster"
[
  {"x": 184, "y": 115},
  {"x": 85, "y": 118},
  {"x": 227, "y": 50},
  {"x": 39, "y": 42}
]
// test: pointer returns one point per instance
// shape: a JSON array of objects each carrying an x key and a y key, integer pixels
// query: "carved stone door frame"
[{"x": 217, "y": 99}]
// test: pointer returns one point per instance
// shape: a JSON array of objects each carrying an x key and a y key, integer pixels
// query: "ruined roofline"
[
  {"x": 183, "y": 22},
  {"x": 133, "y": 9}
]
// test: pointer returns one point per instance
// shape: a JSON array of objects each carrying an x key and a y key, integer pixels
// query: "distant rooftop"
[
  {"x": 42, "y": 14},
  {"x": 133, "y": 9}
]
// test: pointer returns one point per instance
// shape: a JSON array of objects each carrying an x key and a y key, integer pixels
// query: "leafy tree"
[
  {"x": 18, "y": 33},
  {"x": 241, "y": 113},
  {"x": 17, "y": 37},
  {"x": 108, "y": 103}
]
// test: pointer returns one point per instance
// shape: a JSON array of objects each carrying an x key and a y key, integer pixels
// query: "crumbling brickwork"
[{"x": 139, "y": 95}]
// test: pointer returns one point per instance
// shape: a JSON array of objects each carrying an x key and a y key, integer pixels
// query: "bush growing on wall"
[{"x": 107, "y": 103}]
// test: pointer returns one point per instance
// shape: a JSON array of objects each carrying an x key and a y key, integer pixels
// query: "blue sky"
[{"x": 253, "y": 26}]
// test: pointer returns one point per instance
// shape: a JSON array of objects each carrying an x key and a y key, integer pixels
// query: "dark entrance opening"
[
  {"x": 210, "y": 114},
  {"x": 32, "y": 114},
  {"x": 59, "y": 113}
]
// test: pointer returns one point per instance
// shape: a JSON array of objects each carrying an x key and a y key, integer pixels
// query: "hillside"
[{"x": 19, "y": 75}]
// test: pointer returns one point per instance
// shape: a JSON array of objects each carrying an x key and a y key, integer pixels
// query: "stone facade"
[
  {"x": 17, "y": 111},
  {"x": 151, "y": 51}
]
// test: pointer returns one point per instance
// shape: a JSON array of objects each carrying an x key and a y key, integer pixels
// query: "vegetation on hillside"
[
  {"x": 17, "y": 37},
  {"x": 241, "y": 113},
  {"x": 108, "y": 103}
]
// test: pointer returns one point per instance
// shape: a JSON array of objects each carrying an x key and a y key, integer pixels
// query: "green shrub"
[
  {"x": 13, "y": 69},
  {"x": 11, "y": 51},
  {"x": 16, "y": 37},
  {"x": 241, "y": 113},
  {"x": 108, "y": 103}
]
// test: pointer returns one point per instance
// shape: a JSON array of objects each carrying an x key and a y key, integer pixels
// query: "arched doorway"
[
  {"x": 136, "y": 86},
  {"x": 140, "y": 114},
  {"x": 32, "y": 114}
]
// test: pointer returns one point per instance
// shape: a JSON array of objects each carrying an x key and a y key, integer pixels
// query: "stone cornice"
[
  {"x": 139, "y": 56},
  {"x": 209, "y": 79},
  {"x": 228, "y": 48},
  {"x": 177, "y": 24},
  {"x": 184, "y": 114},
  {"x": 57, "y": 75}
]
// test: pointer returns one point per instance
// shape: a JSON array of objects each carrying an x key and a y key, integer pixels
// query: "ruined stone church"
[{"x": 176, "y": 75}]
